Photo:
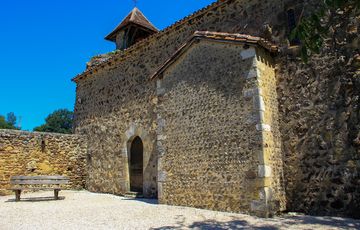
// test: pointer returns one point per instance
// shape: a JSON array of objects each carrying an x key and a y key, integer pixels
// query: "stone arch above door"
[{"x": 130, "y": 134}]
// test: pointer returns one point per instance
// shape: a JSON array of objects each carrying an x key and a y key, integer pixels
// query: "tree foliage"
[
  {"x": 60, "y": 121},
  {"x": 322, "y": 25},
  {"x": 11, "y": 118},
  {"x": 8, "y": 123}
]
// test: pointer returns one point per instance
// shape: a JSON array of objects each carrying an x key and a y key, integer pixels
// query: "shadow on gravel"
[
  {"x": 307, "y": 222},
  {"x": 213, "y": 224},
  {"x": 234, "y": 224},
  {"x": 148, "y": 201},
  {"x": 338, "y": 222},
  {"x": 36, "y": 199}
]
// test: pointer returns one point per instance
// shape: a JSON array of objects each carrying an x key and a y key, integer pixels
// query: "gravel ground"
[{"x": 85, "y": 210}]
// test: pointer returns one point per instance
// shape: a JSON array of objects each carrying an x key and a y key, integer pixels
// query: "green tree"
[
  {"x": 4, "y": 124},
  {"x": 11, "y": 118},
  {"x": 60, "y": 121},
  {"x": 325, "y": 26}
]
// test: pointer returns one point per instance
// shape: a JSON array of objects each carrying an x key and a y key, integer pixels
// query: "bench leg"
[
  {"x": 17, "y": 195},
  {"x": 56, "y": 194}
]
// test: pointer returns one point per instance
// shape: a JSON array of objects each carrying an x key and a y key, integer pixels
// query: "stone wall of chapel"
[
  {"x": 318, "y": 107},
  {"x": 114, "y": 97},
  {"x": 208, "y": 140}
]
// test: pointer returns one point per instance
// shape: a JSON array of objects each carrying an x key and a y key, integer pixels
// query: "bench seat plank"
[
  {"x": 38, "y": 182},
  {"x": 23, "y": 189},
  {"x": 39, "y": 178}
]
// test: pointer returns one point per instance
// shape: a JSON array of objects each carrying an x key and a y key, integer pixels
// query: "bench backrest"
[{"x": 39, "y": 180}]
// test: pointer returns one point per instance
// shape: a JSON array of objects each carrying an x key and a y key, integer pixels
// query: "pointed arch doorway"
[{"x": 136, "y": 165}]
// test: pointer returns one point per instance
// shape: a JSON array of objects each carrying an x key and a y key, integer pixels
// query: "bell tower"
[{"x": 132, "y": 29}]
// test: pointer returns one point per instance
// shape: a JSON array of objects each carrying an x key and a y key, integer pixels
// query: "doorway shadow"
[
  {"x": 136, "y": 161},
  {"x": 144, "y": 200}
]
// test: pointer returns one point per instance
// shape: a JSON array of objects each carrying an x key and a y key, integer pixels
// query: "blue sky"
[{"x": 45, "y": 43}]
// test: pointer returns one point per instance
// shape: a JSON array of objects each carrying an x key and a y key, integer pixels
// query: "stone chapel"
[{"x": 215, "y": 112}]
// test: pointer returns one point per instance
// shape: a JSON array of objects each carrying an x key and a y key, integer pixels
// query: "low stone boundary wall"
[{"x": 35, "y": 153}]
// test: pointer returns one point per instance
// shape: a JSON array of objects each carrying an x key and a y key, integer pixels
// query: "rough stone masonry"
[
  {"x": 25, "y": 153},
  {"x": 226, "y": 123}
]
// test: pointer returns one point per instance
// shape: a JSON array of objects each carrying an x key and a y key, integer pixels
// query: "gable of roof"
[
  {"x": 134, "y": 17},
  {"x": 215, "y": 36}
]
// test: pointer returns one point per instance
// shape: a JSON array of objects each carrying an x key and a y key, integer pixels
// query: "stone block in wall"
[
  {"x": 263, "y": 127},
  {"x": 264, "y": 171},
  {"x": 162, "y": 176},
  {"x": 249, "y": 93},
  {"x": 252, "y": 73},
  {"x": 258, "y": 103}
]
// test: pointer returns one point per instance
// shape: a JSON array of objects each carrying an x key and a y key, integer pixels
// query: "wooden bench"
[{"x": 21, "y": 183}]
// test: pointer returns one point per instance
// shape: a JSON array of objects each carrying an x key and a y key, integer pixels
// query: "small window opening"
[
  {"x": 43, "y": 145},
  {"x": 88, "y": 156}
]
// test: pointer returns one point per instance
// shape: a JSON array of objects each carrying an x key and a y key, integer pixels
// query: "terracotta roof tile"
[{"x": 238, "y": 37}]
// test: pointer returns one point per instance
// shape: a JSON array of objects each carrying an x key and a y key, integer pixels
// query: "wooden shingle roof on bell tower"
[{"x": 134, "y": 17}]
